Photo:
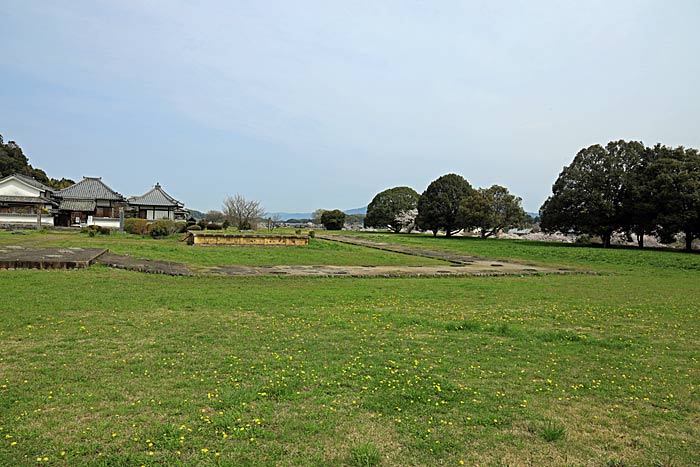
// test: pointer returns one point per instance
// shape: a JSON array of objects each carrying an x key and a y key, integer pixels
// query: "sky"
[{"x": 322, "y": 104}]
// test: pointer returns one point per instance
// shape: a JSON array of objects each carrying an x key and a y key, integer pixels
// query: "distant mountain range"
[{"x": 308, "y": 215}]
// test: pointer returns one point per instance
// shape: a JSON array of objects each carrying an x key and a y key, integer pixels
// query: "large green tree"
[
  {"x": 676, "y": 184},
  {"x": 640, "y": 207},
  {"x": 13, "y": 160},
  {"x": 491, "y": 210},
  {"x": 385, "y": 209},
  {"x": 589, "y": 195},
  {"x": 438, "y": 206},
  {"x": 333, "y": 220}
]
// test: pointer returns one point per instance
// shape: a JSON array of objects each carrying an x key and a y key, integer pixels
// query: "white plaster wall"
[
  {"x": 14, "y": 187},
  {"x": 110, "y": 222},
  {"x": 25, "y": 219},
  {"x": 151, "y": 216}
]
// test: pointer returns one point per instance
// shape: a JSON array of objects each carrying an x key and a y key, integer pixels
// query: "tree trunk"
[
  {"x": 688, "y": 240},
  {"x": 606, "y": 239},
  {"x": 640, "y": 239},
  {"x": 435, "y": 232}
]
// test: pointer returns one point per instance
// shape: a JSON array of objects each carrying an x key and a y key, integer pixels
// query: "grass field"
[
  {"x": 172, "y": 249},
  {"x": 117, "y": 368}
]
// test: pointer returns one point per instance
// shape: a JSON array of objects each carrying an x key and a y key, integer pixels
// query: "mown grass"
[
  {"x": 109, "y": 367},
  {"x": 318, "y": 252},
  {"x": 618, "y": 260}
]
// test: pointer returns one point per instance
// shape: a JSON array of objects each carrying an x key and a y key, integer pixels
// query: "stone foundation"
[{"x": 197, "y": 238}]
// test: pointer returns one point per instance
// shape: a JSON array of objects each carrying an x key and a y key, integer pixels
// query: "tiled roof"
[
  {"x": 155, "y": 197},
  {"x": 89, "y": 188},
  {"x": 27, "y": 200},
  {"x": 77, "y": 205},
  {"x": 29, "y": 181}
]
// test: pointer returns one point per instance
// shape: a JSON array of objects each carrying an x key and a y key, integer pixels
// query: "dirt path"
[{"x": 478, "y": 263}]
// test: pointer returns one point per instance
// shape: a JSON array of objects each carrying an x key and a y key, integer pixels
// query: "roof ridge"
[
  {"x": 90, "y": 188},
  {"x": 155, "y": 197},
  {"x": 28, "y": 179}
]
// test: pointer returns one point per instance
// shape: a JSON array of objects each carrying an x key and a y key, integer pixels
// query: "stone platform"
[{"x": 18, "y": 257}]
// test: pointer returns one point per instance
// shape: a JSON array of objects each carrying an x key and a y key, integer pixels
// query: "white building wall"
[
  {"x": 14, "y": 187},
  {"x": 17, "y": 219},
  {"x": 110, "y": 222},
  {"x": 152, "y": 215}
]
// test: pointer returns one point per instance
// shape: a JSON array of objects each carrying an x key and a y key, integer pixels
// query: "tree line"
[
  {"x": 449, "y": 204},
  {"x": 629, "y": 188},
  {"x": 13, "y": 161}
]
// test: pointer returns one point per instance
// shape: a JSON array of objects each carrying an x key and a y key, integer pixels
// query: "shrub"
[
  {"x": 136, "y": 226},
  {"x": 93, "y": 230},
  {"x": 162, "y": 228},
  {"x": 181, "y": 226},
  {"x": 312, "y": 233},
  {"x": 333, "y": 220},
  {"x": 583, "y": 239},
  {"x": 202, "y": 223},
  {"x": 226, "y": 224},
  {"x": 194, "y": 227},
  {"x": 213, "y": 226},
  {"x": 297, "y": 231}
]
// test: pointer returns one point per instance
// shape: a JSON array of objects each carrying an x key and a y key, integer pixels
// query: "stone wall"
[{"x": 196, "y": 238}]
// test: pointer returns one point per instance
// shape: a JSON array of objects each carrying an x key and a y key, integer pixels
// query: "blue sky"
[{"x": 303, "y": 105}]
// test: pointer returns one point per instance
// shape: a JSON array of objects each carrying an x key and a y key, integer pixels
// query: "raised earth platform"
[
  {"x": 477, "y": 267},
  {"x": 18, "y": 257},
  {"x": 200, "y": 238}
]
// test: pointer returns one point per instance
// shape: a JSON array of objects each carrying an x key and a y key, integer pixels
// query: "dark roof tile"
[
  {"x": 27, "y": 200},
  {"x": 155, "y": 197},
  {"x": 89, "y": 188},
  {"x": 77, "y": 205}
]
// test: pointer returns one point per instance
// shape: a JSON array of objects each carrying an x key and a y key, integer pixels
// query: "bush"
[
  {"x": 194, "y": 227},
  {"x": 226, "y": 224},
  {"x": 333, "y": 220},
  {"x": 202, "y": 223},
  {"x": 181, "y": 226},
  {"x": 162, "y": 228},
  {"x": 136, "y": 226},
  {"x": 312, "y": 233},
  {"x": 583, "y": 240},
  {"x": 213, "y": 226},
  {"x": 93, "y": 230}
]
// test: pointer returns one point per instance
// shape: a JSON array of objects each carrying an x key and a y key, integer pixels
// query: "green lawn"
[
  {"x": 318, "y": 252},
  {"x": 116, "y": 368}
]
